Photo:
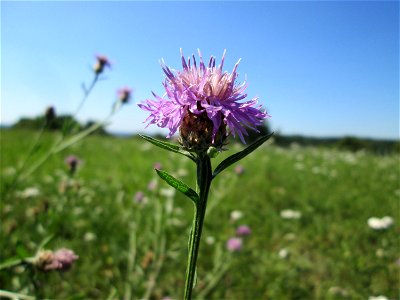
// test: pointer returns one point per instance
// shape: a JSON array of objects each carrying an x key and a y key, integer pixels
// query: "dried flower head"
[
  {"x": 124, "y": 94},
  {"x": 62, "y": 260},
  {"x": 101, "y": 63},
  {"x": 203, "y": 103}
]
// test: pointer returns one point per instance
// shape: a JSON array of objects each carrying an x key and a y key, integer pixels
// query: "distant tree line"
[
  {"x": 56, "y": 123},
  {"x": 349, "y": 143}
]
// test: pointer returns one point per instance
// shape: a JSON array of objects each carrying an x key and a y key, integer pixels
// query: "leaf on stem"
[
  {"x": 238, "y": 156},
  {"x": 178, "y": 185},
  {"x": 168, "y": 146}
]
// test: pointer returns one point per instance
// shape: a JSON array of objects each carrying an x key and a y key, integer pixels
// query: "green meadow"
[{"x": 307, "y": 208}]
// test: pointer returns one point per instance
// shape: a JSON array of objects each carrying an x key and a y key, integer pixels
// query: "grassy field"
[{"x": 129, "y": 249}]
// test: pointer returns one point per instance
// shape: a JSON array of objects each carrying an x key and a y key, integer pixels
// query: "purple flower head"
[
  {"x": 139, "y": 196},
  {"x": 61, "y": 259},
  {"x": 234, "y": 244},
  {"x": 243, "y": 230},
  {"x": 124, "y": 94},
  {"x": 101, "y": 63},
  {"x": 152, "y": 185},
  {"x": 202, "y": 101},
  {"x": 72, "y": 162}
]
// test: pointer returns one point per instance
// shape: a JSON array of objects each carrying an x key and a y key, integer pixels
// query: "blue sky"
[{"x": 319, "y": 68}]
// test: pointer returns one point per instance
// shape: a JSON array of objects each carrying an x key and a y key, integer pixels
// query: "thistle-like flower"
[
  {"x": 72, "y": 162},
  {"x": 124, "y": 94},
  {"x": 101, "y": 63},
  {"x": 203, "y": 103},
  {"x": 62, "y": 259}
]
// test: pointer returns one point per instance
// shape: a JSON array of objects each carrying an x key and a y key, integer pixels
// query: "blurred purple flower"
[
  {"x": 157, "y": 166},
  {"x": 72, "y": 162},
  {"x": 204, "y": 94},
  {"x": 124, "y": 94},
  {"x": 152, "y": 185},
  {"x": 139, "y": 196},
  {"x": 101, "y": 63},
  {"x": 243, "y": 230},
  {"x": 234, "y": 244}
]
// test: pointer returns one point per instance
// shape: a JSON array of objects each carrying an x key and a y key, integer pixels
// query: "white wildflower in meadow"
[
  {"x": 338, "y": 291},
  {"x": 89, "y": 236},
  {"x": 236, "y": 215},
  {"x": 30, "y": 192},
  {"x": 381, "y": 297},
  {"x": 380, "y": 223},
  {"x": 167, "y": 192},
  {"x": 290, "y": 214},
  {"x": 210, "y": 240},
  {"x": 283, "y": 253}
]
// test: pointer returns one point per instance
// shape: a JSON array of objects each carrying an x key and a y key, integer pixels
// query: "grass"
[{"x": 138, "y": 250}]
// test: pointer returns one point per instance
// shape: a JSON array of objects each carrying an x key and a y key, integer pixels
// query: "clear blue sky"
[{"x": 320, "y": 68}]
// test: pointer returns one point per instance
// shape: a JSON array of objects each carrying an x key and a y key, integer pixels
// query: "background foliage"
[{"x": 138, "y": 249}]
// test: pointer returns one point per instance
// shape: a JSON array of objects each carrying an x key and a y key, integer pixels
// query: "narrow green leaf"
[
  {"x": 179, "y": 185},
  {"x": 238, "y": 156},
  {"x": 45, "y": 242},
  {"x": 168, "y": 146},
  {"x": 11, "y": 262}
]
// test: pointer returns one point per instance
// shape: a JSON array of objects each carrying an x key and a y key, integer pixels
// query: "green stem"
[{"x": 204, "y": 177}]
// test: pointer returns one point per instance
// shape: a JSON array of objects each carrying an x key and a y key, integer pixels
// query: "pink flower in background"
[
  {"x": 139, "y": 196},
  {"x": 234, "y": 244},
  {"x": 239, "y": 170},
  {"x": 157, "y": 166},
  {"x": 124, "y": 94},
  {"x": 206, "y": 96},
  {"x": 243, "y": 230},
  {"x": 72, "y": 162},
  {"x": 152, "y": 185}
]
